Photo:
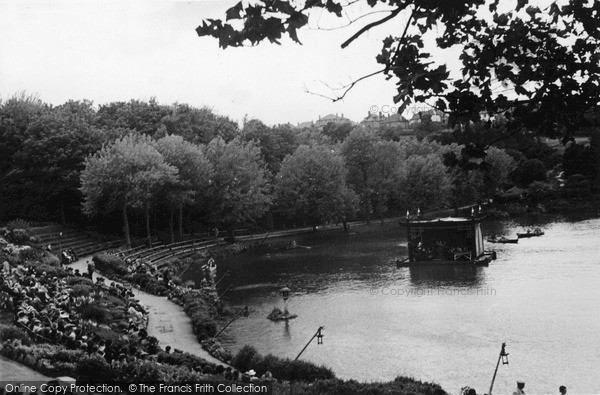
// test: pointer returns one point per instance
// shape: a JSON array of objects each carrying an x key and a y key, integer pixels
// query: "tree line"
[{"x": 168, "y": 166}]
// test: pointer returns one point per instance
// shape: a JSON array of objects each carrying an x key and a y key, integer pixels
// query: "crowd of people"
[{"x": 47, "y": 308}]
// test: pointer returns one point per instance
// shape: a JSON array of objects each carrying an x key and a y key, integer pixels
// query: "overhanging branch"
[
  {"x": 346, "y": 88},
  {"x": 371, "y": 25}
]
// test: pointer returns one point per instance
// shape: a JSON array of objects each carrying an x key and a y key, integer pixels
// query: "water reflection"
[
  {"x": 447, "y": 275},
  {"x": 425, "y": 322}
]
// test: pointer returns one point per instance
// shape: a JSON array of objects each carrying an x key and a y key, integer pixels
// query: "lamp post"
[
  {"x": 285, "y": 294},
  {"x": 245, "y": 312},
  {"x": 502, "y": 357},
  {"x": 319, "y": 337},
  {"x": 218, "y": 298},
  {"x": 224, "y": 275}
]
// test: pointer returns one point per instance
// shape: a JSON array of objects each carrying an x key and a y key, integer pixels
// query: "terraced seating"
[
  {"x": 159, "y": 254},
  {"x": 83, "y": 242}
]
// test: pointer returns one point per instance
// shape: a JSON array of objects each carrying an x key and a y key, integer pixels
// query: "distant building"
[
  {"x": 303, "y": 125},
  {"x": 335, "y": 119},
  {"x": 372, "y": 120},
  {"x": 432, "y": 115},
  {"x": 395, "y": 121}
]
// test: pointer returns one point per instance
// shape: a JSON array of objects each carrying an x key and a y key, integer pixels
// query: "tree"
[
  {"x": 501, "y": 167},
  {"x": 127, "y": 174},
  {"x": 239, "y": 189},
  {"x": 387, "y": 174},
  {"x": 337, "y": 132},
  {"x": 16, "y": 114},
  {"x": 144, "y": 117},
  {"x": 44, "y": 171},
  {"x": 425, "y": 183},
  {"x": 312, "y": 186},
  {"x": 275, "y": 143},
  {"x": 529, "y": 171},
  {"x": 55, "y": 147},
  {"x": 195, "y": 172},
  {"x": 198, "y": 125},
  {"x": 579, "y": 159},
  {"x": 426, "y": 128},
  {"x": 539, "y": 67},
  {"x": 359, "y": 153},
  {"x": 466, "y": 187}
]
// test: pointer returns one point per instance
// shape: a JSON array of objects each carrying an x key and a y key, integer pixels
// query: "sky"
[{"x": 108, "y": 51}]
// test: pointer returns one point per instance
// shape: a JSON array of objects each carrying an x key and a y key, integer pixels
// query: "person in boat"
[{"x": 520, "y": 386}]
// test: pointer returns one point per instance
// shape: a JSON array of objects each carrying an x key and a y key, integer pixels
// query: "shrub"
[
  {"x": 400, "y": 386},
  {"x": 141, "y": 371},
  {"x": 18, "y": 224},
  {"x": 51, "y": 270},
  {"x": 9, "y": 332},
  {"x": 94, "y": 369},
  {"x": 18, "y": 236},
  {"x": 577, "y": 186},
  {"x": 184, "y": 359},
  {"x": 110, "y": 264},
  {"x": 529, "y": 171},
  {"x": 202, "y": 323},
  {"x": 148, "y": 283},
  {"x": 246, "y": 358},
  {"x": 215, "y": 349},
  {"x": 284, "y": 369},
  {"x": 28, "y": 254},
  {"x": 81, "y": 290},
  {"x": 94, "y": 313},
  {"x": 74, "y": 280},
  {"x": 50, "y": 260},
  {"x": 539, "y": 191}
]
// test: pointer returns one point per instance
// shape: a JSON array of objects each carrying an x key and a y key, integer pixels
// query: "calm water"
[{"x": 442, "y": 324}]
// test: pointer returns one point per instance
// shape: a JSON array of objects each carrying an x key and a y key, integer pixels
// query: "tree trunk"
[
  {"x": 126, "y": 227},
  {"x": 231, "y": 234},
  {"x": 63, "y": 217},
  {"x": 148, "y": 234},
  {"x": 171, "y": 215},
  {"x": 314, "y": 228},
  {"x": 180, "y": 221},
  {"x": 368, "y": 208}
]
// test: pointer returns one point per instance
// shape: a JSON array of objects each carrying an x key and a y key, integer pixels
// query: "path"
[
  {"x": 167, "y": 321},
  {"x": 16, "y": 373}
]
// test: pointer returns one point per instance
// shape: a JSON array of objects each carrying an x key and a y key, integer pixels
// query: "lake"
[{"x": 441, "y": 324}]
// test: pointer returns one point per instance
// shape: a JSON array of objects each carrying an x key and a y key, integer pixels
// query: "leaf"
[
  {"x": 234, "y": 12},
  {"x": 334, "y": 7}
]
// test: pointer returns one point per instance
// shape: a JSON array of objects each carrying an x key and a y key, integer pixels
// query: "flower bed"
[
  {"x": 110, "y": 265},
  {"x": 215, "y": 349},
  {"x": 282, "y": 368}
]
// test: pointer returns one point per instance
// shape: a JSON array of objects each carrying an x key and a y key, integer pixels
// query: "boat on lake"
[
  {"x": 502, "y": 240},
  {"x": 278, "y": 315},
  {"x": 445, "y": 241},
  {"x": 535, "y": 233}
]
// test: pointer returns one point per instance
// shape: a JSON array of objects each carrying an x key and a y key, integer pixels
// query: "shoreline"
[{"x": 183, "y": 321}]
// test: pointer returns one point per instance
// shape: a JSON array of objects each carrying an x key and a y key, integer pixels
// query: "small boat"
[
  {"x": 536, "y": 232},
  {"x": 278, "y": 315},
  {"x": 503, "y": 240}
]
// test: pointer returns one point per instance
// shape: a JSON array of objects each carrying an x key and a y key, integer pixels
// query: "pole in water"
[
  {"x": 319, "y": 337},
  {"x": 502, "y": 357},
  {"x": 245, "y": 312}
]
